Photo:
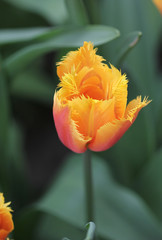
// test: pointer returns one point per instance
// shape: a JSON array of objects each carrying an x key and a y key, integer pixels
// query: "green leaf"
[
  {"x": 119, "y": 212},
  {"x": 92, "y": 11},
  {"x": 67, "y": 38},
  {"x": 54, "y": 11},
  {"x": 15, "y": 167},
  {"x": 4, "y": 116},
  {"x": 11, "y": 160},
  {"x": 4, "y": 126},
  {"x": 10, "y": 36},
  {"x": 128, "y": 43},
  {"x": 149, "y": 183},
  {"x": 62, "y": 229},
  {"x": 148, "y": 22},
  {"x": 33, "y": 85},
  {"x": 141, "y": 69},
  {"x": 37, "y": 225},
  {"x": 77, "y": 12},
  {"x": 26, "y": 222},
  {"x": 159, "y": 110}
]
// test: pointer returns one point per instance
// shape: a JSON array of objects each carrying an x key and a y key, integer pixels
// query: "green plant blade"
[
  {"x": 33, "y": 85},
  {"x": 120, "y": 213},
  {"x": 128, "y": 43},
  {"x": 158, "y": 112},
  {"x": 77, "y": 12},
  {"x": 53, "y": 10},
  {"x": 4, "y": 116},
  {"x": 141, "y": 69},
  {"x": 67, "y": 38},
  {"x": 4, "y": 128},
  {"x": 37, "y": 225},
  {"x": 149, "y": 183},
  {"x": 10, "y": 36}
]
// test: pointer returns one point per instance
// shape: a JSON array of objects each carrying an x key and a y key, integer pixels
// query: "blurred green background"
[{"x": 38, "y": 174}]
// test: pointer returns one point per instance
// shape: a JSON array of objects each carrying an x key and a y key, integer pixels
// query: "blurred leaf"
[
  {"x": 36, "y": 225},
  {"x": 149, "y": 183},
  {"x": 141, "y": 63},
  {"x": 54, "y": 11},
  {"x": 148, "y": 21},
  {"x": 128, "y": 43},
  {"x": 26, "y": 222},
  {"x": 10, "y": 36},
  {"x": 15, "y": 167},
  {"x": 4, "y": 116},
  {"x": 4, "y": 127},
  {"x": 62, "y": 229},
  {"x": 140, "y": 67},
  {"x": 33, "y": 85},
  {"x": 67, "y": 38},
  {"x": 158, "y": 112},
  {"x": 120, "y": 213},
  {"x": 11, "y": 164},
  {"x": 92, "y": 10},
  {"x": 15, "y": 148},
  {"x": 15, "y": 17},
  {"x": 77, "y": 12}
]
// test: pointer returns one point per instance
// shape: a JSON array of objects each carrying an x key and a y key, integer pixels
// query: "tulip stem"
[{"x": 88, "y": 186}]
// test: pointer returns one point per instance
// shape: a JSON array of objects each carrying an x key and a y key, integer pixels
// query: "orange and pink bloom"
[
  {"x": 6, "y": 222},
  {"x": 90, "y": 107}
]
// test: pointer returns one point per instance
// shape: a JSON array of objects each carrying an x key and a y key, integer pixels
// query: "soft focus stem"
[
  {"x": 88, "y": 186},
  {"x": 91, "y": 231}
]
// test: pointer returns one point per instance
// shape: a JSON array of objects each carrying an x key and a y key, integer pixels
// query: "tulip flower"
[
  {"x": 90, "y": 107},
  {"x": 158, "y": 4},
  {"x": 6, "y": 222}
]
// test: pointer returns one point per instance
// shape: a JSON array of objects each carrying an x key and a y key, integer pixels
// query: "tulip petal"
[
  {"x": 91, "y": 84},
  {"x": 68, "y": 87},
  {"x": 119, "y": 91},
  {"x": 3, "y": 234},
  {"x": 90, "y": 108},
  {"x": 67, "y": 63},
  {"x": 84, "y": 56},
  {"x": 110, "y": 133},
  {"x": 134, "y": 107},
  {"x": 6, "y": 222},
  {"x": 90, "y": 114},
  {"x": 66, "y": 128}
]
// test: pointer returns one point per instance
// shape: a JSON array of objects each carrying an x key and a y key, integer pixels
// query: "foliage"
[{"x": 34, "y": 35}]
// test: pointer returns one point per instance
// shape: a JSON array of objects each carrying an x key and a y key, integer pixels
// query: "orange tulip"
[
  {"x": 90, "y": 108},
  {"x": 6, "y": 222},
  {"x": 158, "y": 4}
]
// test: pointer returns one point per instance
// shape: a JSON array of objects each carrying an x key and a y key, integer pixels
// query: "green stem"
[
  {"x": 88, "y": 186},
  {"x": 91, "y": 231}
]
